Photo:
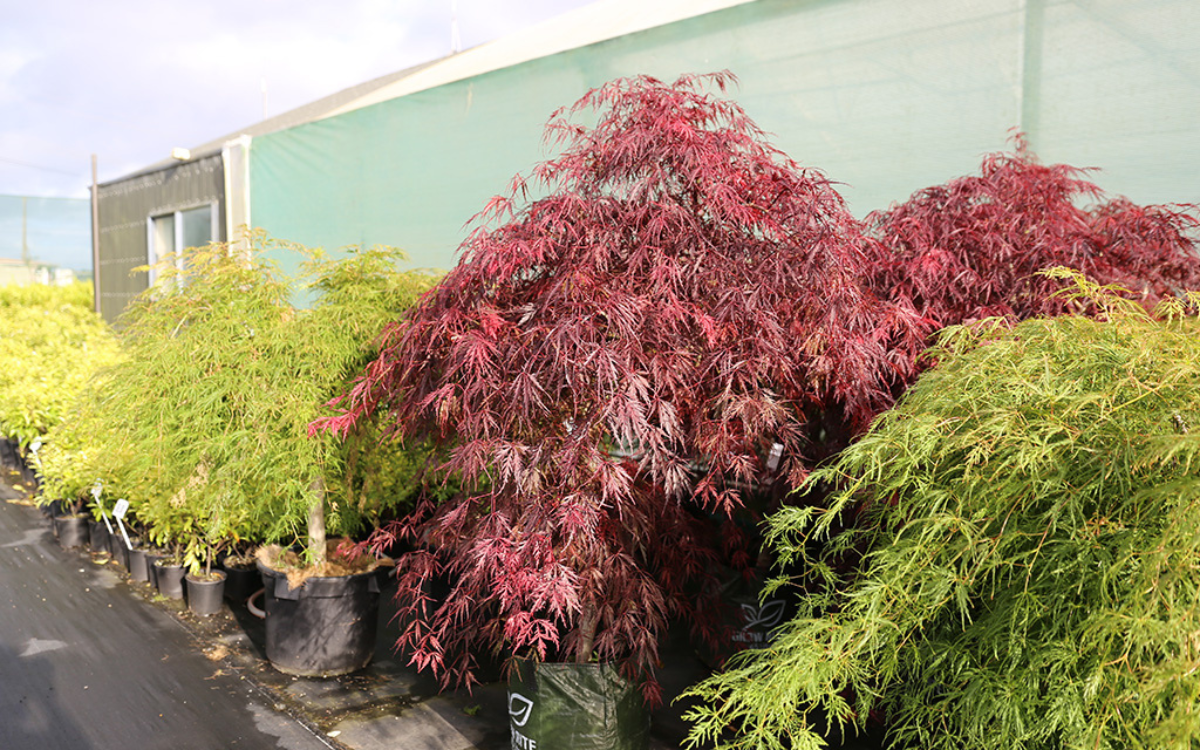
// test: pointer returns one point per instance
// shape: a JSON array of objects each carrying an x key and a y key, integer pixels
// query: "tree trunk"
[
  {"x": 316, "y": 522},
  {"x": 588, "y": 622}
]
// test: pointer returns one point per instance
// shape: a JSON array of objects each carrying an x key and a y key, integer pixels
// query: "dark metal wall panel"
[{"x": 125, "y": 208}]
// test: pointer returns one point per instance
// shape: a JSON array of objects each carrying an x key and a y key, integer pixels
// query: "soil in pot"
[
  {"x": 72, "y": 531},
  {"x": 205, "y": 592},
  {"x": 170, "y": 579}
]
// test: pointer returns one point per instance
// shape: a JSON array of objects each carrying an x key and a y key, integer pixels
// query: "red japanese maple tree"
[
  {"x": 613, "y": 363},
  {"x": 973, "y": 247}
]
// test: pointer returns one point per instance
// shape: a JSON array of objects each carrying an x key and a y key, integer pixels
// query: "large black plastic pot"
[
  {"x": 205, "y": 597},
  {"x": 746, "y": 620},
  {"x": 577, "y": 706},
  {"x": 324, "y": 627},
  {"x": 72, "y": 531}
]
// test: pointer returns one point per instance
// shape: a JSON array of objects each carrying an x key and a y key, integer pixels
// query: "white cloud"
[{"x": 129, "y": 79}]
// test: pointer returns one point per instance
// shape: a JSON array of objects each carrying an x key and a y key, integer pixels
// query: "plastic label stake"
[
  {"x": 97, "y": 488},
  {"x": 774, "y": 456},
  {"x": 119, "y": 513}
]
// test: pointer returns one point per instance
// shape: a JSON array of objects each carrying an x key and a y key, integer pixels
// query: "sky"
[{"x": 128, "y": 80}]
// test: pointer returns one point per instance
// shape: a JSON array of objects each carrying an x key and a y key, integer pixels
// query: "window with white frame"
[{"x": 171, "y": 232}]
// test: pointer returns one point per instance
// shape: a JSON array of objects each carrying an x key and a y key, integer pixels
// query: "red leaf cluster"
[
  {"x": 972, "y": 248},
  {"x": 616, "y": 359}
]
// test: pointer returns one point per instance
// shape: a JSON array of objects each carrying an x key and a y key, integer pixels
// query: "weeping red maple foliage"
[
  {"x": 613, "y": 364},
  {"x": 972, "y": 248}
]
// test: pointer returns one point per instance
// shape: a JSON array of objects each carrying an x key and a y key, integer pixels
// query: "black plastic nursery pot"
[
  {"x": 152, "y": 558},
  {"x": 170, "y": 579},
  {"x": 577, "y": 706},
  {"x": 139, "y": 570},
  {"x": 119, "y": 551},
  {"x": 117, "y": 547},
  {"x": 99, "y": 536},
  {"x": 241, "y": 582},
  {"x": 324, "y": 627},
  {"x": 204, "y": 596},
  {"x": 72, "y": 531},
  {"x": 12, "y": 460}
]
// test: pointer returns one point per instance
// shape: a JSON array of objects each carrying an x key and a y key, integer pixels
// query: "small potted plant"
[
  {"x": 242, "y": 578},
  {"x": 205, "y": 584}
]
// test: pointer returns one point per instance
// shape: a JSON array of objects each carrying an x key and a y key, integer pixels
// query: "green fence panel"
[{"x": 886, "y": 97}]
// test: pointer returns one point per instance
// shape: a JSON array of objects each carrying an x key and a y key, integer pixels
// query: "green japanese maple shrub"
[
  {"x": 1031, "y": 576},
  {"x": 223, "y": 376}
]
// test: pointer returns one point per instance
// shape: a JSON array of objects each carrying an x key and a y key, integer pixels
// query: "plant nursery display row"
[
  {"x": 204, "y": 591},
  {"x": 673, "y": 379}
]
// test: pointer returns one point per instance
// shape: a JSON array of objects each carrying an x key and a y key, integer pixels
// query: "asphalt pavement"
[{"x": 85, "y": 665}]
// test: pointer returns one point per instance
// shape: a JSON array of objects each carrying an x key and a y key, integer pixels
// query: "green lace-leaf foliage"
[
  {"x": 51, "y": 343},
  {"x": 209, "y": 410},
  {"x": 82, "y": 448},
  {"x": 1031, "y": 576}
]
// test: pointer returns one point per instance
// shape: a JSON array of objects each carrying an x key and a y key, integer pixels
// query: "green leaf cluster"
[
  {"x": 51, "y": 343},
  {"x": 203, "y": 424},
  {"x": 1030, "y": 554},
  {"x": 80, "y": 450}
]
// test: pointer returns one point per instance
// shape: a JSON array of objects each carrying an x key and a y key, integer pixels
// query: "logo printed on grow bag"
[
  {"x": 758, "y": 620},
  {"x": 519, "y": 708}
]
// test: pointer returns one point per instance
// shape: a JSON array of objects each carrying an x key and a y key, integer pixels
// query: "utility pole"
[{"x": 95, "y": 239}]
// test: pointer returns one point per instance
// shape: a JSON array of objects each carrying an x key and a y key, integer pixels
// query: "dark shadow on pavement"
[{"x": 31, "y": 717}]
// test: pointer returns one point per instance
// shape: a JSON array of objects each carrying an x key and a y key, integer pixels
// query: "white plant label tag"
[
  {"x": 97, "y": 489},
  {"x": 774, "y": 456},
  {"x": 104, "y": 515},
  {"x": 119, "y": 512}
]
